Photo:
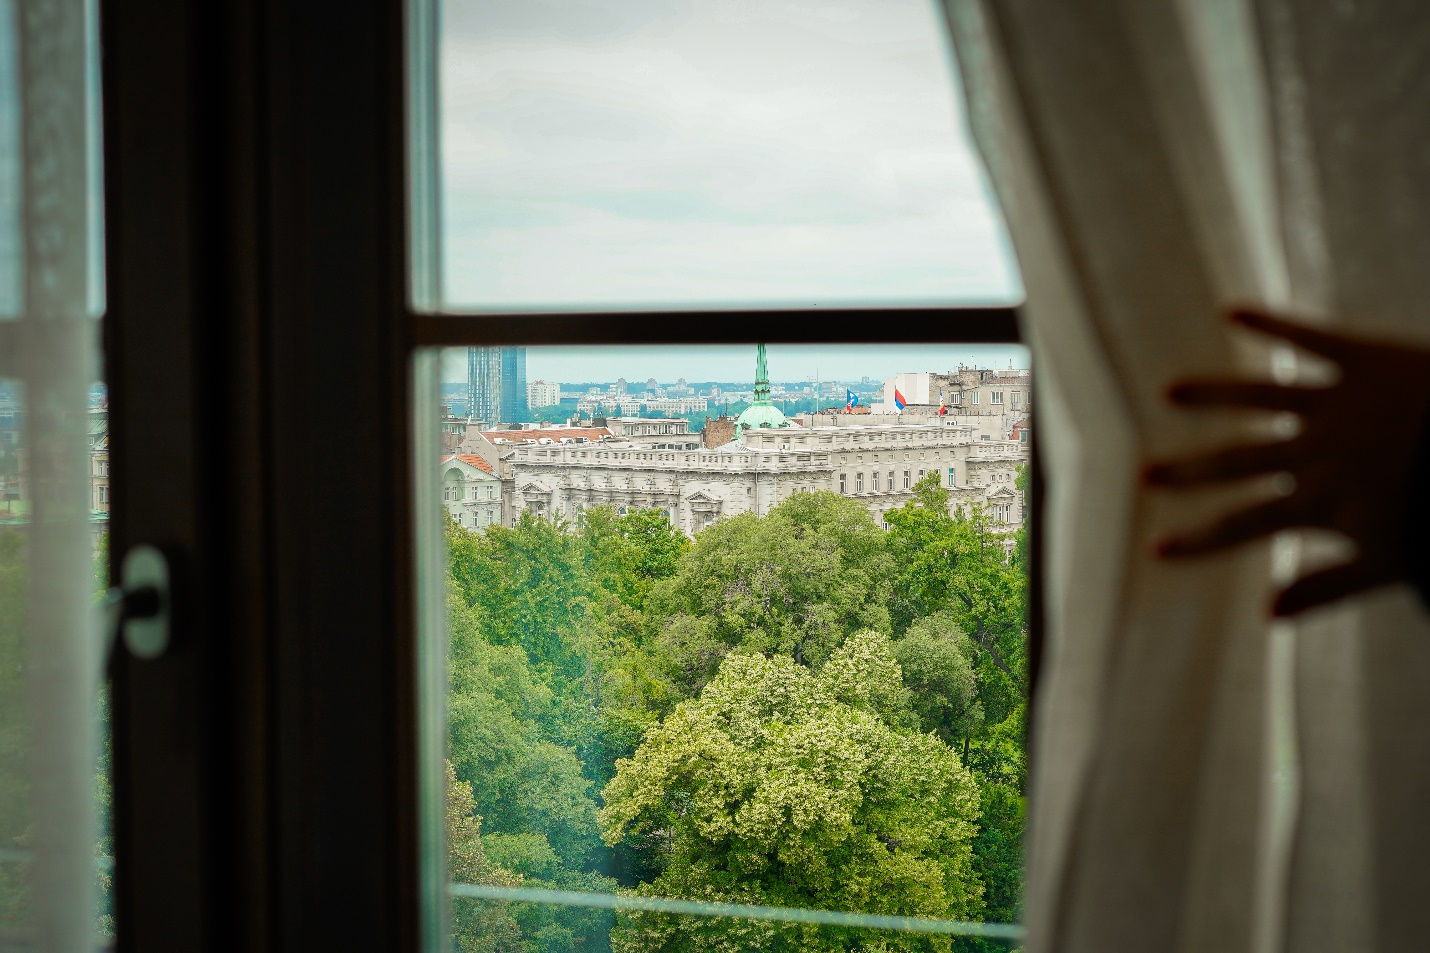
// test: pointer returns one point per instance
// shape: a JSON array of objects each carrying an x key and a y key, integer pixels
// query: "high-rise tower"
[{"x": 496, "y": 384}]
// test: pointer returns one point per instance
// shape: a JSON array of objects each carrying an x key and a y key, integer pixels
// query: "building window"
[
  {"x": 950, "y": 476},
  {"x": 858, "y": 483},
  {"x": 1017, "y": 394},
  {"x": 841, "y": 483},
  {"x": 906, "y": 479},
  {"x": 103, "y": 494},
  {"x": 874, "y": 477},
  {"x": 975, "y": 397},
  {"x": 997, "y": 397},
  {"x": 1022, "y": 436},
  {"x": 891, "y": 481}
]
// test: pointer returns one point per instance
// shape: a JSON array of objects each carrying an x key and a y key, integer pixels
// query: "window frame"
[{"x": 266, "y": 225}]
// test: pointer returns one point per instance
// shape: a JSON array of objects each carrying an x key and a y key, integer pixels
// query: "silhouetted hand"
[{"x": 1340, "y": 484}]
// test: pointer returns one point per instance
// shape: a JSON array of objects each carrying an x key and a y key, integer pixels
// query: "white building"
[
  {"x": 991, "y": 402},
  {"x": 543, "y": 394},
  {"x": 471, "y": 491},
  {"x": 654, "y": 433},
  {"x": 878, "y": 464},
  {"x": 645, "y": 463}
]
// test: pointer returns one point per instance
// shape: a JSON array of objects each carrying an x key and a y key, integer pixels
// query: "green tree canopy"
[
  {"x": 783, "y": 786},
  {"x": 796, "y": 582}
]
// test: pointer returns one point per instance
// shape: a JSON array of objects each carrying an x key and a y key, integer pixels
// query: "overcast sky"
[
  {"x": 721, "y": 363},
  {"x": 606, "y": 153}
]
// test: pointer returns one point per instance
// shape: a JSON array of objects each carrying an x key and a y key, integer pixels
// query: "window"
[
  {"x": 547, "y": 210},
  {"x": 975, "y": 397},
  {"x": 950, "y": 476},
  {"x": 1016, "y": 395}
]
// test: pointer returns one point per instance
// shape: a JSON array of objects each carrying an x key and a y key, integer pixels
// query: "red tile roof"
[{"x": 471, "y": 458}]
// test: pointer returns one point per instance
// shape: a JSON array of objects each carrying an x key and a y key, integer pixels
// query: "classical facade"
[
  {"x": 875, "y": 458},
  {"x": 471, "y": 491}
]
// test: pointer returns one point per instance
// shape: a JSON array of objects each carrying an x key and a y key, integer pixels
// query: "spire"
[
  {"x": 762, "y": 376},
  {"x": 761, "y": 413}
]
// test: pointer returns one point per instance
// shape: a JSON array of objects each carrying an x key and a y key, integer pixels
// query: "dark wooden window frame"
[{"x": 259, "y": 335}]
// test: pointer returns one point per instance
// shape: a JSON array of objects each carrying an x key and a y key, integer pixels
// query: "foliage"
[
  {"x": 477, "y": 926},
  {"x": 935, "y": 657},
  {"x": 796, "y": 582},
  {"x": 795, "y": 709},
  {"x": 956, "y": 564},
  {"x": 786, "y": 787}
]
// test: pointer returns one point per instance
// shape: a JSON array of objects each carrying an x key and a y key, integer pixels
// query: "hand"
[{"x": 1341, "y": 483}]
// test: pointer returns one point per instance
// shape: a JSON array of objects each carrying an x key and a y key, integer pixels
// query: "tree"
[
  {"x": 954, "y": 569},
  {"x": 956, "y": 564},
  {"x": 797, "y": 582},
  {"x": 478, "y": 926},
  {"x": 934, "y": 655},
  {"x": 783, "y": 786},
  {"x": 499, "y": 737}
]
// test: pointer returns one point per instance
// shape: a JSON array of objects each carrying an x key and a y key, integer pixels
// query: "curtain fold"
[{"x": 1203, "y": 780}]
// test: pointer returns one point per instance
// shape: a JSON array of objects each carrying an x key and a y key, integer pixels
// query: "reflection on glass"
[
  {"x": 22, "y": 653},
  {"x": 648, "y": 152},
  {"x": 11, "y": 169},
  {"x": 496, "y": 924},
  {"x": 736, "y": 625}
]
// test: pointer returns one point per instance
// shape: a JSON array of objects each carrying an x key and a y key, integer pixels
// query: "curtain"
[{"x": 1201, "y": 779}]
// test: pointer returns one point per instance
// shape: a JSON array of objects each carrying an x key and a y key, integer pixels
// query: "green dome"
[{"x": 762, "y": 414}]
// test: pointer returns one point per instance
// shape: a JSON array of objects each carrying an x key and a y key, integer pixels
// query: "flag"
[
  {"x": 899, "y": 401},
  {"x": 851, "y": 399},
  {"x": 941, "y": 408}
]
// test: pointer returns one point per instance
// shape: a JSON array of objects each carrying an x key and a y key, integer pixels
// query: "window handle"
[{"x": 139, "y": 608}]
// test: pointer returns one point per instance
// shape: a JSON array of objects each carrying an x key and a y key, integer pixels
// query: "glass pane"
[
  {"x": 55, "y": 853},
  {"x": 498, "y": 924},
  {"x": 11, "y": 168},
  {"x": 682, "y": 153},
  {"x": 705, "y": 641},
  {"x": 32, "y": 665}
]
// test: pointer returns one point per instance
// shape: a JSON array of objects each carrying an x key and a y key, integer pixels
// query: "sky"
[
  {"x": 787, "y": 362},
  {"x": 603, "y": 154}
]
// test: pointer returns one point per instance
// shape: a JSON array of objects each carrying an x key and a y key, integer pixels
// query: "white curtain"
[{"x": 1203, "y": 780}]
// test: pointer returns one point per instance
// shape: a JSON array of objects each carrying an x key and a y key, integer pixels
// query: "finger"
[
  {"x": 1234, "y": 463},
  {"x": 1316, "y": 341},
  {"x": 1234, "y": 529},
  {"x": 1260, "y": 396},
  {"x": 1328, "y": 585}
]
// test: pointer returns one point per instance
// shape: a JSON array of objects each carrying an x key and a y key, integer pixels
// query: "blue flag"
[{"x": 851, "y": 399}]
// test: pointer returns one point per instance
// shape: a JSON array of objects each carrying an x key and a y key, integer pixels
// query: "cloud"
[{"x": 642, "y": 152}]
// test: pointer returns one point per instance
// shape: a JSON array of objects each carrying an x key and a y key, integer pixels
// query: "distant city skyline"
[{"x": 788, "y": 362}]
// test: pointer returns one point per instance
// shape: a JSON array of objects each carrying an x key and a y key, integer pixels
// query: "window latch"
[{"x": 139, "y": 608}]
